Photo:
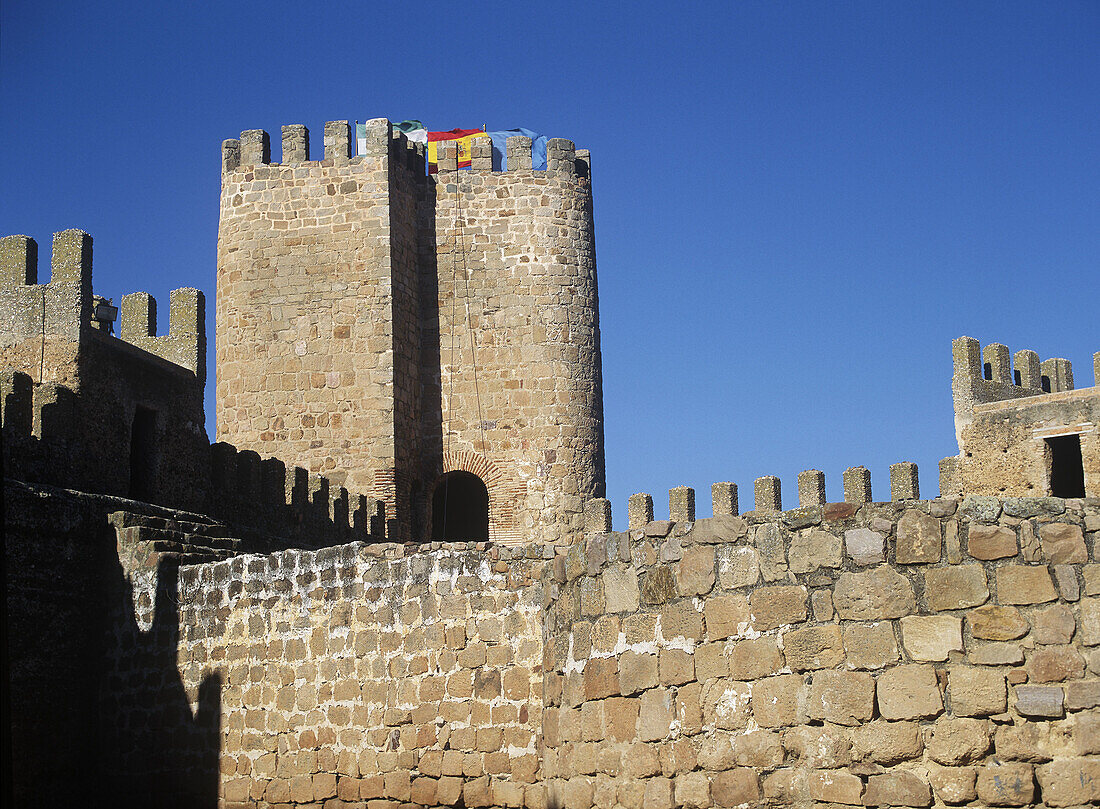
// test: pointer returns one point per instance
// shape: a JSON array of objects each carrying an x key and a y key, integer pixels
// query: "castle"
[{"x": 393, "y": 581}]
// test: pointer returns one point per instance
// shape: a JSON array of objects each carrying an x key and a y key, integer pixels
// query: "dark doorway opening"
[
  {"x": 1067, "y": 471},
  {"x": 460, "y": 508},
  {"x": 143, "y": 454}
]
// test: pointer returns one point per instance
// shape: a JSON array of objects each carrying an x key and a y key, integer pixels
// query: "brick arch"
[{"x": 505, "y": 493}]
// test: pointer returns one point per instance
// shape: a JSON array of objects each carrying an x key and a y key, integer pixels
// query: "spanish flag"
[{"x": 461, "y": 136}]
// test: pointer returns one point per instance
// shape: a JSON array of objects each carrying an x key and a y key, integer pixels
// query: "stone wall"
[
  {"x": 361, "y": 672},
  {"x": 907, "y": 654}
]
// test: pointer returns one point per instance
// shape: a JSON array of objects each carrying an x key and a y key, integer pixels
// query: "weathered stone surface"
[
  {"x": 681, "y": 620},
  {"x": 976, "y": 691},
  {"x": 980, "y": 508},
  {"x": 987, "y": 542},
  {"x": 727, "y": 704},
  {"x": 842, "y": 697},
  {"x": 953, "y": 588},
  {"x": 1040, "y": 701},
  {"x": 637, "y": 672},
  {"x": 1065, "y": 576},
  {"x": 658, "y": 585},
  {"x": 886, "y": 742},
  {"x": 954, "y": 785},
  {"x": 995, "y": 654},
  {"x": 825, "y": 746},
  {"x": 953, "y": 741},
  {"x": 780, "y": 701},
  {"x": 711, "y": 660},
  {"x": 909, "y": 692},
  {"x": 864, "y": 546},
  {"x": 1090, "y": 621},
  {"x": 720, "y": 529},
  {"x": 918, "y": 538},
  {"x": 994, "y": 622},
  {"x": 1007, "y": 784},
  {"x": 897, "y": 788},
  {"x": 754, "y": 658},
  {"x": 735, "y": 787},
  {"x": 870, "y": 646},
  {"x": 1082, "y": 695},
  {"x": 931, "y": 637},
  {"x": 695, "y": 571},
  {"x": 1052, "y": 664},
  {"x": 621, "y": 593},
  {"x": 1071, "y": 782},
  {"x": 692, "y": 790},
  {"x": 815, "y": 549},
  {"x": 1033, "y": 506},
  {"x": 654, "y": 715},
  {"x": 773, "y": 607},
  {"x": 1054, "y": 624},
  {"x": 727, "y": 616},
  {"x": 676, "y": 667},
  {"x": 1022, "y": 584},
  {"x": 835, "y": 786},
  {"x": 1062, "y": 543},
  {"x": 738, "y": 566},
  {"x": 878, "y": 594},
  {"x": 814, "y": 647},
  {"x": 771, "y": 545}
]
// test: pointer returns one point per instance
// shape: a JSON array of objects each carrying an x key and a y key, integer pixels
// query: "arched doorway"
[{"x": 460, "y": 508}]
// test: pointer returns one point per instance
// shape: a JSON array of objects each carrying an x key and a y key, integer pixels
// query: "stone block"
[
  {"x": 692, "y": 790},
  {"x": 897, "y": 788},
  {"x": 711, "y": 661},
  {"x": 695, "y": 571},
  {"x": 954, "y": 588},
  {"x": 813, "y": 647},
  {"x": 995, "y": 654},
  {"x": 1024, "y": 584},
  {"x": 1090, "y": 621},
  {"x": 1053, "y": 625},
  {"x": 976, "y": 691},
  {"x": 1040, "y": 701},
  {"x": 620, "y": 718},
  {"x": 1006, "y": 784},
  {"x": 688, "y": 708},
  {"x": 726, "y": 704},
  {"x": 814, "y": 549},
  {"x": 864, "y": 546},
  {"x": 918, "y": 538},
  {"x": 877, "y": 594},
  {"x": 658, "y": 586},
  {"x": 751, "y": 658},
  {"x": 1062, "y": 543},
  {"x": 870, "y": 646},
  {"x": 821, "y": 605},
  {"x": 760, "y": 749},
  {"x": 787, "y": 787},
  {"x": 909, "y": 691},
  {"x": 738, "y": 566},
  {"x": 601, "y": 678},
  {"x": 931, "y": 637},
  {"x": 1053, "y": 664},
  {"x": 739, "y": 786},
  {"x": 637, "y": 672},
  {"x": 658, "y": 794},
  {"x": 836, "y": 786},
  {"x": 681, "y": 620},
  {"x": 953, "y": 741},
  {"x": 676, "y": 667},
  {"x": 953, "y": 785},
  {"x": 780, "y": 701},
  {"x": 887, "y": 742},
  {"x": 727, "y": 616},
  {"x": 1070, "y": 782},
  {"x": 655, "y": 715},
  {"x": 1082, "y": 695},
  {"x": 842, "y": 697},
  {"x": 988, "y": 542},
  {"x": 620, "y": 587},
  {"x": 994, "y": 622},
  {"x": 773, "y": 607}
]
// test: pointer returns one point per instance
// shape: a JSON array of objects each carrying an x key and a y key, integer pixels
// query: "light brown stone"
[
  {"x": 1070, "y": 782},
  {"x": 738, "y": 566},
  {"x": 887, "y": 742},
  {"x": 813, "y": 647},
  {"x": 995, "y": 622},
  {"x": 727, "y": 616},
  {"x": 877, "y": 594},
  {"x": 777, "y": 606},
  {"x": 988, "y": 542},
  {"x": 1062, "y": 543},
  {"x": 954, "y": 588},
  {"x": 735, "y": 787},
  {"x": 692, "y": 790},
  {"x": 822, "y": 746},
  {"x": 918, "y": 538},
  {"x": 836, "y": 786},
  {"x": 909, "y": 692},
  {"x": 897, "y": 788},
  {"x": 726, "y": 704},
  {"x": 752, "y": 659},
  {"x": 1006, "y": 784},
  {"x": 681, "y": 620},
  {"x": 637, "y": 672},
  {"x": 780, "y": 701},
  {"x": 676, "y": 667},
  {"x": 814, "y": 549},
  {"x": 695, "y": 571},
  {"x": 1053, "y": 625},
  {"x": 654, "y": 715},
  {"x": 842, "y": 697},
  {"x": 870, "y": 646},
  {"x": 931, "y": 637},
  {"x": 953, "y": 741},
  {"x": 1052, "y": 664},
  {"x": 1024, "y": 584},
  {"x": 953, "y": 785}
]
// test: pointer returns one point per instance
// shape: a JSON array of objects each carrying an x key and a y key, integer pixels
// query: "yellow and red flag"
[{"x": 462, "y": 137}]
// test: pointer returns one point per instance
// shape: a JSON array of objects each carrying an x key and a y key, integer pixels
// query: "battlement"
[
  {"x": 253, "y": 148},
  {"x": 992, "y": 373},
  {"x": 768, "y": 500},
  {"x": 65, "y": 307}
]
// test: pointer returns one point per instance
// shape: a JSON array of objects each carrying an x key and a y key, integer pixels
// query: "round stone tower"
[{"x": 430, "y": 339}]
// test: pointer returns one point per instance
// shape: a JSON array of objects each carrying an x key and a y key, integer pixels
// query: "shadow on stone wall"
[{"x": 99, "y": 712}]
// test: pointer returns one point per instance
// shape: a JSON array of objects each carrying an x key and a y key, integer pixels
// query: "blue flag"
[{"x": 500, "y": 148}]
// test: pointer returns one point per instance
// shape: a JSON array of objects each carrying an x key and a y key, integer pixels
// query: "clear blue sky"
[{"x": 798, "y": 204}]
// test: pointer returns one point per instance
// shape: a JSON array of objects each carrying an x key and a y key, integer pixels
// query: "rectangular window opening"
[
  {"x": 1067, "y": 471},
  {"x": 143, "y": 454},
  {"x": 987, "y": 371}
]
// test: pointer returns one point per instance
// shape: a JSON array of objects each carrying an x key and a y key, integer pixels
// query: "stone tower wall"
[
  {"x": 519, "y": 349},
  {"x": 316, "y": 331}
]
